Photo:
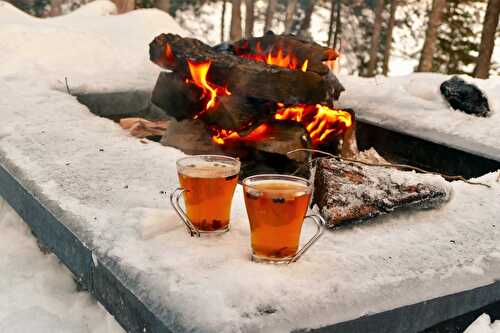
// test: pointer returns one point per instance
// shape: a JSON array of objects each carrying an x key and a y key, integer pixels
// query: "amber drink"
[
  {"x": 207, "y": 184},
  {"x": 276, "y": 207}
]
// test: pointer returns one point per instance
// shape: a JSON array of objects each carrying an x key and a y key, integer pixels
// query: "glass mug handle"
[
  {"x": 174, "y": 200},
  {"x": 320, "y": 222}
]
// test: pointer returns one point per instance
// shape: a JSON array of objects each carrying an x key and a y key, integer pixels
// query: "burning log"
[
  {"x": 242, "y": 76},
  {"x": 238, "y": 113},
  {"x": 177, "y": 98},
  {"x": 281, "y": 48},
  {"x": 283, "y": 136},
  {"x": 190, "y": 136},
  {"x": 349, "y": 192}
]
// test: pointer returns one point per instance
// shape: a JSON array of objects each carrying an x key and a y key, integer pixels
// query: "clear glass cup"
[
  {"x": 276, "y": 207},
  {"x": 207, "y": 186}
]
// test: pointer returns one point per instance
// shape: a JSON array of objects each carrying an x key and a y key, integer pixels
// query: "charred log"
[
  {"x": 190, "y": 136},
  {"x": 243, "y": 76},
  {"x": 238, "y": 113},
  {"x": 300, "y": 48},
  {"x": 176, "y": 97},
  {"x": 282, "y": 137}
]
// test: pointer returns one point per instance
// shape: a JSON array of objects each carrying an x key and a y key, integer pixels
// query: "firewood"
[
  {"x": 176, "y": 97},
  {"x": 302, "y": 49},
  {"x": 243, "y": 76},
  {"x": 190, "y": 136},
  {"x": 283, "y": 136},
  {"x": 238, "y": 113},
  {"x": 350, "y": 192}
]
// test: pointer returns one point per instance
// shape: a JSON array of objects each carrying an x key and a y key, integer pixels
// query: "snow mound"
[
  {"x": 93, "y": 52},
  {"x": 11, "y": 14},
  {"x": 483, "y": 324}
]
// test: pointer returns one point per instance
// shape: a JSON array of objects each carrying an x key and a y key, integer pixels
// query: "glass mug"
[
  {"x": 207, "y": 185},
  {"x": 276, "y": 207}
]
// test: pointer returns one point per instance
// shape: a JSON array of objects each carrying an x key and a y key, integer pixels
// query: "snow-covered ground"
[
  {"x": 37, "y": 292},
  {"x": 90, "y": 48},
  {"x": 110, "y": 53},
  {"x": 413, "y": 104},
  {"x": 483, "y": 324}
]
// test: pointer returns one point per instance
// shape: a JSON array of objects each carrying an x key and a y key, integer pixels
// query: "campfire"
[{"x": 273, "y": 93}]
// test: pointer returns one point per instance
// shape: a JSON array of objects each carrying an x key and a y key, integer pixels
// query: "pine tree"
[
  {"x": 271, "y": 8},
  {"x": 249, "y": 17},
  {"x": 375, "y": 43},
  {"x": 457, "y": 41},
  {"x": 490, "y": 26},
  {"x": 235, "y": 33},
  {"x": 435, "y": 18}
]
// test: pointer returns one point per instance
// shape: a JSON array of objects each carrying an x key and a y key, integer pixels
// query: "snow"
[
  {"x": 483, "y": 324},
  {"x": 98, "y": 51},
  {"x": 413, "y": 104},
  {"x": 112, "y": 191},
  {"x": 37, "y": 293}
]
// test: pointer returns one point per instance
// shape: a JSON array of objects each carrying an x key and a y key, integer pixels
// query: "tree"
[
  {"x": 459, "y": 38},
  {"x": 338, "y": 25},
  {"x": 222, "y": 20},
  {"x": 330, "y": 26},
  {"x": 377, "y": 27},
  {"x": 306, "y": 22},
  {"x": 487, "y": 39},
  {"x": 235, "y": 32},
  {"x": 271, "y": 8},
  {"x": 124, "y": 6},
  {"x": 290, "y": 10},
  {"x": 425, "y": 64},
  {"x": 249, "y": 17},
  {"x": 163, "y": 5},
  {"x": 388, "y": 36}
]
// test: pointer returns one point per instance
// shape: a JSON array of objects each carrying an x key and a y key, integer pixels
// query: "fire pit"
[{"x": 266, "y": 95}]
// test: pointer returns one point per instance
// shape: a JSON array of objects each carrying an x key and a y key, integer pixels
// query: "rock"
[{"x": 465, "y": 97}]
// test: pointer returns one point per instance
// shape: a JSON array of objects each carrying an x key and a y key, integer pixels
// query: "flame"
[
  {"x": 199, "y": 73},
  {"x": 320, "y": 120},
  {"x": 169, "y": 54},
  {"x": 276, "y": 57},
  {"x": 223, "y": 136}
]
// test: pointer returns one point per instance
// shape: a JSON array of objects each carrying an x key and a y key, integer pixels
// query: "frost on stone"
[{"x": 349, "y": 192}]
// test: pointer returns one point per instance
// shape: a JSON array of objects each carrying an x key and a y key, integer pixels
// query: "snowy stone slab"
[
  {"x": 413, "y": 105},
  {"x": 108, "y": 189}
]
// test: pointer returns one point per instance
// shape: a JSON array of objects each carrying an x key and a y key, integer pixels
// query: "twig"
[
  {"x": 67, "y": 86},
  {"x": 389, "y": 165}
]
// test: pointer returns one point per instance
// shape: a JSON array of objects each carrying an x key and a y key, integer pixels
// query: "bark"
[
  {"x": 338, "y": 25},
  {"x": 271, "y": 8},
  {"x": 487, "y": 39},
  {"x": 222, "y": 20},
  {"x": 425, "y": 64},
  {"x": 388, "y": 37},
  {"x": 55, "y": 8},
  {"x": 290, "y": 11},
  {"x": 163, "y": 5},
  {"x": 332, "y": 17},
  {"x": 377, "y": 26},
  {"x": 249, "y": 17},
  {"x": 235, "y": 32},
  {"x": 306, "y": 22}
]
